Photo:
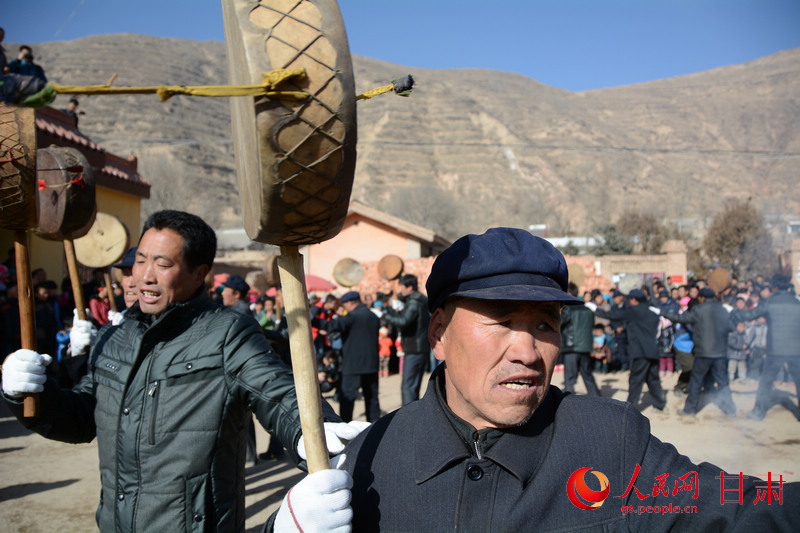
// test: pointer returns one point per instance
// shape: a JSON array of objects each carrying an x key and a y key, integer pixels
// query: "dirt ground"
[{"x": 50, "y": 486}]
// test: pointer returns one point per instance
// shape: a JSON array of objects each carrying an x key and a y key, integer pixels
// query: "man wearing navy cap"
[
  {"x": 235, "y": 292},
  {"x": 710, "y": 326},
  {"x": 492, "y": 446},
  {"x": 129, "y": 293},
  {"x": 641, "y": 329},
  {"x": 359, "y": 329}
]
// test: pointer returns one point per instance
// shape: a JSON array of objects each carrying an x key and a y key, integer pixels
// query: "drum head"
[
  {"x": 719, "y": 279},
  {"x": 104, "y": 244},
  {"x": 576, "y": 274},
  {"x": 628, "y": 282},
  {"x": 348, "y": 272},
  {"x": 390, "y": 267}
]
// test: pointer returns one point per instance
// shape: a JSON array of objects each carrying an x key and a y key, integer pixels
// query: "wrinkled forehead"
[
  {"x": 551, "y": 310},
  {"x": 164, "y": 242}
]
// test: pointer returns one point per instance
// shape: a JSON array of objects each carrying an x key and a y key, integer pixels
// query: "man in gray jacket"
[
  {"x": 782, "y": 311},
  {"x": 711, "y": 324},
  {"x": 169, "y": 393}
]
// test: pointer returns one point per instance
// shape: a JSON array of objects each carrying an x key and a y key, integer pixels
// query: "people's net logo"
[{"x": 581, "y": 495}]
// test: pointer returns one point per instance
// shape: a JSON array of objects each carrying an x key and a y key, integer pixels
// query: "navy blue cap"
[
  {"x": 237, "y": 283},
  {"x": 706, "y": 292},
  {"x": 637, "y": 294},
  {"x": 128, "y": 259},
  {"x": 501, "y": 264},
  {"x": 351, "y": 296}
]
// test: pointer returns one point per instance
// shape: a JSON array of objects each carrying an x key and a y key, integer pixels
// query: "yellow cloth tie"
[
  {"x": 165, "y": 92},
  {"x": 366, "y": 95}
]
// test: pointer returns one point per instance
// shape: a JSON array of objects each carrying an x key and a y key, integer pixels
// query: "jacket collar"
[{"x": 438, "y": 446}]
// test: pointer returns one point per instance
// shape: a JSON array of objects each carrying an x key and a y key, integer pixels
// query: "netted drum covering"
[
  {"x": 296, "y": 168},
  {"x": 18, "y": 207}
]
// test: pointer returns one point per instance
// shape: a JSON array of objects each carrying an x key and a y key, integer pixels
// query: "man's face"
[
  {"x": 41, "y": 294},
  {"x": 229, "y": 296},
  {"x": 404, "y": 290},
  {"x": 161, "y": 274},
  {"x": 349, "y": 306},
  {"x": 499, "y": 358},
  {"x": 129, "y": 292},
  {"x": 693, "y": 292}
]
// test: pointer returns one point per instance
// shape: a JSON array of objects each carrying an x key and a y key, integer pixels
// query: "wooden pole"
[
  {"x": 110, "y": 290},
  {"x": 75, "y": 279},
  {"x": 304, "y": 359},
  {"x": 27, "y": 318}
]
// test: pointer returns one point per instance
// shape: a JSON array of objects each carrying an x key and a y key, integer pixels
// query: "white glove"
[
  {"x": 115, "y": 317},
  {"x": 23, "y": 373},
  {"x": 81, "y": 336},
  {"x": 591, "y": 305},
  {"x": 320, "y": 502},
  {"x": 337, "y": 435},
  {"x": 655, "y": 310},
  {"x": 397, "y": 305}
]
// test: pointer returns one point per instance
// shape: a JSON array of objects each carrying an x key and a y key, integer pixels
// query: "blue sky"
[{"x": 571, "y": 44}]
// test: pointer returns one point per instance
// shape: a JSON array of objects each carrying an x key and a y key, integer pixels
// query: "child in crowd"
[
  {"x": 739, "y": 342},
  {"x": 328, "y": 372},
  {"x": 666, "y": 338},
  {"x": 384, "y": 351},
  {"x": 601, "y": 351}
]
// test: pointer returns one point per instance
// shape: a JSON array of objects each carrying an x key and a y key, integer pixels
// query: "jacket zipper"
[
  {"x": 153, "y": 393},
  {"x": 477, "y": 451}
]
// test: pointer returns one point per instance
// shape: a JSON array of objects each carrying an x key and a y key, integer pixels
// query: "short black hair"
[
  {"x": 199, "y": 240},
  {"x": 572, "y": 289},
  {"x": 781, "y": 282},
  {"x": 408, "y": 280}
]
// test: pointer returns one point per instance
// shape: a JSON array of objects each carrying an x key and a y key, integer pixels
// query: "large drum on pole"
[
  {"x": 19, "y": 211},
  {"x": 66, "y": 206},
  {"x": 295, "y": 160}
]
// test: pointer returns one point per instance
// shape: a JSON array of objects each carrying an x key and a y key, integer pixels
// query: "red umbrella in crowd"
[{"x": 318, "y": 284}]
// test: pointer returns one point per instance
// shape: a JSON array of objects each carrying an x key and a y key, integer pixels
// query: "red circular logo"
[{"x": 581, "y": 495}]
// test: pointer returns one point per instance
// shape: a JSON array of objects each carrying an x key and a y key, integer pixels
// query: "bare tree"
[
  {"x": 644, "y": 230},
  {"x": 738, "y": 239}
]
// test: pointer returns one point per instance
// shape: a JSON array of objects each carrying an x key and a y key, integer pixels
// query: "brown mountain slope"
[{"x": 470, "y": 148}]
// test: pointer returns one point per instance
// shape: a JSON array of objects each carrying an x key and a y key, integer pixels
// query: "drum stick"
[{"x": 27, "y": 320}]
